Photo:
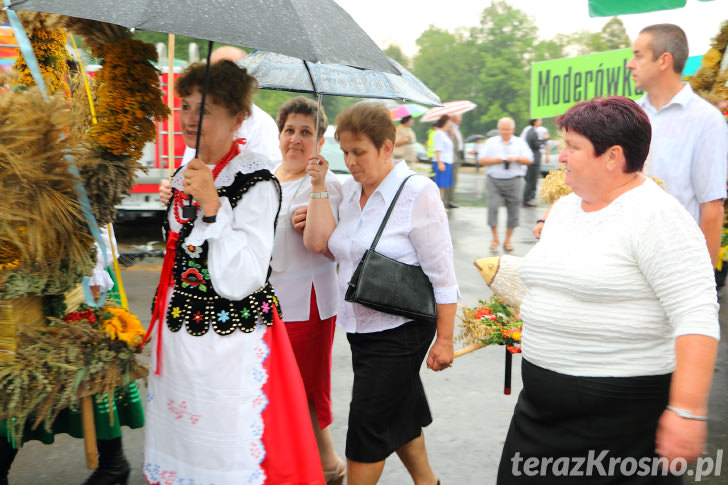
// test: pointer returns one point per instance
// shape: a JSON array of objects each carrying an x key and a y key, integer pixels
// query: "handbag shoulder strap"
[{"x": 389, "y": 211}]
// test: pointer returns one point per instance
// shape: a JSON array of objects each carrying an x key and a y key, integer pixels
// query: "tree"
[
  {"x": 506, "y": 39},
  {"x": 448, "y": 63},
  {"x": 181, "y": 43},
  {"x": 614, "y": 35},
  {"x": 394, "y": 51}
]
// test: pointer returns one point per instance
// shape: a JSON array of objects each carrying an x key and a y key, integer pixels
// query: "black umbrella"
[
  {"x": 473, "y": 138},
  {"x": 314, "y": 30}
]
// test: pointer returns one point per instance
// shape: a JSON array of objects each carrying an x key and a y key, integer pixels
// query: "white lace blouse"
[
  {"x": 609, "y": 290},
  {"x": 417, "y": 233},
  {"x": 241, "y": 240},
  {"x": 295, "y": 268}
]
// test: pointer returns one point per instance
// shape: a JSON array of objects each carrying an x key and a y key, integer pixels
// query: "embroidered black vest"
[{"x": 194, "y": 302}]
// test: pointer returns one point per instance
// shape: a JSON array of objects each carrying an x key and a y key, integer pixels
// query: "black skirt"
[
  {"x": 596, "y": 430},
  {"x": 388, "y": 405}
]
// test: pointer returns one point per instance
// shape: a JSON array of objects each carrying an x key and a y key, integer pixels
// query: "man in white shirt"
[
  {"x": 507, "y": 158},
  {"x": 259, "y": 129},
  {"x": 689, "y": 149}
]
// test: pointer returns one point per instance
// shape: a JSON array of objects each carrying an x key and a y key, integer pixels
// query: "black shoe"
[
  {"x": 450, "y": 205},
  {"x": 113, "y": 468},
  {"x": 530, "y": 203},
  {"x": 7, "y": 455}
]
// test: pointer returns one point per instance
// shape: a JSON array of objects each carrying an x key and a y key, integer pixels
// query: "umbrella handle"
[
  {"x": 190, "y": 211},
  {"x": 170, "y": 104},
  {"x": 318, "y": 115}
]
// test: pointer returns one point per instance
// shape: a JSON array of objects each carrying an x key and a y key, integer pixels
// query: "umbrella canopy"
[
  {"x": 284, "y": 73},
  {"x": 408, "y": 109},
  {"x": 473, "y": 138},
  {"x": 450, "y": 108},
  {"x": 317, "y": 30}
]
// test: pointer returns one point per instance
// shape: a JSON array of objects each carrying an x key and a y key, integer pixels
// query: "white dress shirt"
[
  {"x": 417, "y": 233},
  {"x": 495, "y": 147},
  {"x": 689, "y": 149},
  {"x": 261, "y": 134},
  {"x": 295, "y": 268},
  {"x": 443, "y": 144},
  {"x": 610, "y": 290}
]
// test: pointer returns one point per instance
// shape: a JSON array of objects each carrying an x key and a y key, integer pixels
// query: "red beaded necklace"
[{"x": 180, "y": 196}]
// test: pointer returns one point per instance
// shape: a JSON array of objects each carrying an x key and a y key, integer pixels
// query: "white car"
[{"x": 332, "y": 152}]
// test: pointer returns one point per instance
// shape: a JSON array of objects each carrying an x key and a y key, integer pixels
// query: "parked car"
[
  {"x": 421, "y": 153},
  {"x": 471, "y": 152},
  {"x": 332, "y": 152}
]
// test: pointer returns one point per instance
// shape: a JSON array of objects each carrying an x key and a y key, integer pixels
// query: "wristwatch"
[
  {"x": 209, "y": 219},
  {"x": 320, "y": 195}
]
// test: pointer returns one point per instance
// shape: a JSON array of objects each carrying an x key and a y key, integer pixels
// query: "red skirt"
[
  {"x": 311, "y": 342},
  {"x": 291, "y": 451}
]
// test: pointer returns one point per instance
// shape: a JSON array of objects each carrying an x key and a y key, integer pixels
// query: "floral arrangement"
[
  {"x": 48, "y": 38},
  {"x": 117, "y": 323},
  {"x": 50, "y": 49},
  {"x": 491, "y": 322},
  {"x": 129, "y": 99},
  {"x": 711, "y": 80},
  {"x": 45, "y": 245},
  {"x": 58, "y": 362}
]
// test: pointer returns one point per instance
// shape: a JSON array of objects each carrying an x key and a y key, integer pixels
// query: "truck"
[{"x": 143, "y": 201}]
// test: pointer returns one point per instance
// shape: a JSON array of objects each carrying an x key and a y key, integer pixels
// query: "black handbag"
[{"x": 390, "y": 286}]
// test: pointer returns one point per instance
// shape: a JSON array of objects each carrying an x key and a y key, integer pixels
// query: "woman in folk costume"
[{"x": 226, "y": 403}]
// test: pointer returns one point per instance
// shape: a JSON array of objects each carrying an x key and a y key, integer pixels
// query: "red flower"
[
  {"x": 192, "y": 277},
  {"x": 485, "y": 313}
]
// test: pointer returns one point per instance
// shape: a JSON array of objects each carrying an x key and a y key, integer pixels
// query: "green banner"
[
  {"x": 609, "y": 8},
  {"x": 559, "y": 84}
]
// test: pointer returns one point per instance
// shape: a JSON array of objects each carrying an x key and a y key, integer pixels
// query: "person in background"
[
  {"x": 225, "y": 400},
  {"x": 404, "y": 146},
  {"x": 388, "y": 407},
  {"x": 444, "y": 155},
  {"x": 535, "y": 143},
  {"x": 689, "y": 150},
  {"x": 507, "y": 157},
  {"x": 305, "y": 281},
  {"x": 458, "y": 156},
  {"x": 259, "y": 129},
  {"x": 618, "y": 257}
]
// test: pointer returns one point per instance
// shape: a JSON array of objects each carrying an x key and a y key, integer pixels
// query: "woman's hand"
[
  {"x": 198, "y": 183},
  {"x": 316, "y": 169},
  {"x": 298, "y": 219},
  {"x": 440, "y": 166},
  {"x": 441, "y": 354},
  {"x": 537, "y": 229},
  {"x": 165, "y": 191},
  {"x": 680, "y": 437}
]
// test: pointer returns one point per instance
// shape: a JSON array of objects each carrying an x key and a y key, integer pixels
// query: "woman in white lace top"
[
  {"x": 225, "y": 401},
  {"x": 620, "y": 318}
]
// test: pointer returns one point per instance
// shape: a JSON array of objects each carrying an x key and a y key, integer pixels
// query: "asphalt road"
[{"x": 471, "y": 413}]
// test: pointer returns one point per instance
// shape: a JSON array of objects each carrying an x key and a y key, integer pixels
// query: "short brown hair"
[
  {"x": 303, "y": 106},
  {"x": 606, "y": 122},
  {"x": 367, "y": 118},
  {"x": 227, "y": 84},
  {"x": 668, "y": 38}
]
